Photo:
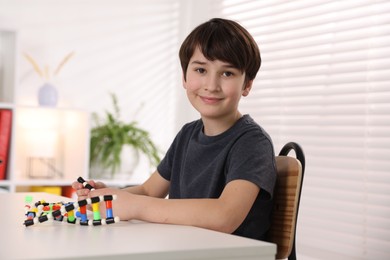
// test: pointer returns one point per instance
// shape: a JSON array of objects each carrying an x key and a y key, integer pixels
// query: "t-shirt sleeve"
[
  {"x": 252, "y": 158},
  {"x": 166, "y": 164}
]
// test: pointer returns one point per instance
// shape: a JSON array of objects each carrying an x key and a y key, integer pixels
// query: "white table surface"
[{"x": 123, "y": 240}]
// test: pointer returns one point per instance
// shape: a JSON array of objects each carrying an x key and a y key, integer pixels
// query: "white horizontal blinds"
[
  {"x": 143, "y": 41},
  {"x": 154, "y": 65},
  {"x": 325, "y": 83}
]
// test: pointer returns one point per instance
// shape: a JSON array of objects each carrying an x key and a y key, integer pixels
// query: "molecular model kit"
[{"x": 71, "y": 212}]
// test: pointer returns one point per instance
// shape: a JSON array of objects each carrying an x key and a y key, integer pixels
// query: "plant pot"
[{"x": 129, "y": 161}]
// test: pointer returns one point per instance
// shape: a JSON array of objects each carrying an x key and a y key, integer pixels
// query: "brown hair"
[{"x": 225, "y": 40}]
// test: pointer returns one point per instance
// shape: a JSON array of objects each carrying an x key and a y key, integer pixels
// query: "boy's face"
[{"x": 214, "y": 88}]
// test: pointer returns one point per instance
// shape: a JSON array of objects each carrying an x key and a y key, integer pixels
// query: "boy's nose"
[{"x": 212, "y": 83}]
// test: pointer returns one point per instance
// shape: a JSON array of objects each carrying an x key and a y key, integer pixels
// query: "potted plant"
[{"x": 111, "y": 135}]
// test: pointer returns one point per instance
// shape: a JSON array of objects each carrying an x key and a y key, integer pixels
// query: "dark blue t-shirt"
[{"x": 200, "y": 166}]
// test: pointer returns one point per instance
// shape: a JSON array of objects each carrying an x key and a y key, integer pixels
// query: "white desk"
[{"x": 124, "y": 240}]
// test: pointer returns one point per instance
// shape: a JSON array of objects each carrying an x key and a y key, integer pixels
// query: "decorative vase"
[{"x": 47, "y": 95}]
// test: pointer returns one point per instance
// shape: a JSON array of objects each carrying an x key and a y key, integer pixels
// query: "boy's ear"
[
  {"x": 247, "y": 88},
  {"x": 183, "y": 80}
]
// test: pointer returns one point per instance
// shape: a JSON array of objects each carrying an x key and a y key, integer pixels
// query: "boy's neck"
[{"x": 213, "y": 126}]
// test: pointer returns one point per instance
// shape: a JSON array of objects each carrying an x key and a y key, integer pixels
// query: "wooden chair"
[{"x": 287, "y": 195}]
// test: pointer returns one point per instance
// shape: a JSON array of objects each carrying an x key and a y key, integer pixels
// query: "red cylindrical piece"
[{"x": 109, "y": 204}]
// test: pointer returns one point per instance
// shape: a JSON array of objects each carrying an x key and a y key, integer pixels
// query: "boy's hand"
[
  {"x": 120, "y": 205},
  {"x": 83, "y": 192}
]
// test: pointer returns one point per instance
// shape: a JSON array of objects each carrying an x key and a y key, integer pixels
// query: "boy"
[{"x": 219, "y": 172}]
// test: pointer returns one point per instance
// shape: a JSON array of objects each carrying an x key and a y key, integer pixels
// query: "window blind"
[{"x": 325, "y": 83}]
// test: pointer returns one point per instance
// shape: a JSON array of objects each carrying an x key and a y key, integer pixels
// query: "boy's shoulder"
[
  {"x": 248, "y": 124},
  {"x": 192, "y": 125}
]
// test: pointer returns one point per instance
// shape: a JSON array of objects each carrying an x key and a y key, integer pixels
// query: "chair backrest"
[{"x": 287, "y": 194}]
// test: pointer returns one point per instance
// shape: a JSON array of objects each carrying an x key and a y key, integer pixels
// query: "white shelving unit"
[
  {"x": 48, "y": 146},
  {"x": 54, "y": 137},
  {"x": 51, "y": 146},
  {"x": 8, "y": 57}
]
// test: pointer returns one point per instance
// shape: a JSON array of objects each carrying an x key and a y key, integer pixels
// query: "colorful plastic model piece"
[
  {"x": 61, "y": 211},
  {"x": 85, "y": 183}
]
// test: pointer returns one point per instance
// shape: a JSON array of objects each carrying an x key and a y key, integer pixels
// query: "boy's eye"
[
  {"x": 227, "y": 74},
  {"x": 200, "y": 70}
]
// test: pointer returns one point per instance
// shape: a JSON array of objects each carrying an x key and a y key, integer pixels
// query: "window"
[{"x": 325, "y": 83}]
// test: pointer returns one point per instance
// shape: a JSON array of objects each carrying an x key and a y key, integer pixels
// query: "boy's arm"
[
  {"x": 224, "y": 214},
  {"x": 155, "y": 186}
]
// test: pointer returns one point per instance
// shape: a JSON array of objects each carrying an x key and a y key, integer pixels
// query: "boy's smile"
[
  {"x": 210, "y": 100},
  {"x": 214, "y": 88}
]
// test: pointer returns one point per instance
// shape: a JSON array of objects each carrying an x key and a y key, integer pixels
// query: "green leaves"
[{"x": 111, "y": 134}]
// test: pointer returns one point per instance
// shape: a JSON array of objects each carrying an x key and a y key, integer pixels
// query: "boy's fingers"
[
  {"x": 99, "y": 185},
  {"x": 92, "y": 183},
  {"x": 82, "y": 192},
  {"x": 76, "y": 185}
]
